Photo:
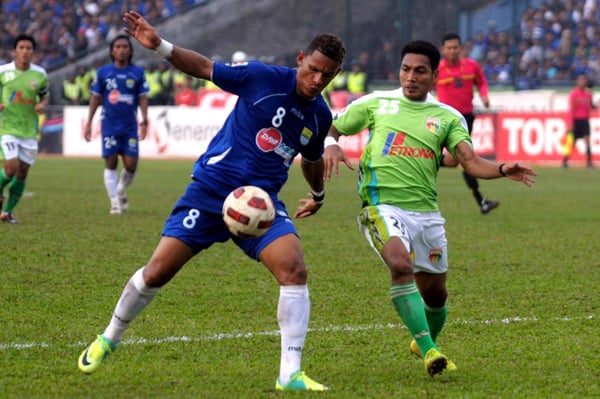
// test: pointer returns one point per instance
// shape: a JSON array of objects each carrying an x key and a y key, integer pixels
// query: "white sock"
[
  {"x": 135, "y": 297},
  {"x": 293, "y": 313},
  {"x": 110, "y": 182},
  {"x": 125, "y": 180}
]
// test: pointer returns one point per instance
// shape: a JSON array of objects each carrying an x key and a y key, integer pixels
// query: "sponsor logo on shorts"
[{"x": 435, "y": 255}]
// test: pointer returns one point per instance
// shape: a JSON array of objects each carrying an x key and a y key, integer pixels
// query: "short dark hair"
[
  {"x": 451, "y": 36},
  {"x": 119, "y": 37},
  {"x": 425, "y": 48},
  {"x": 22, "y": 36},
  {"x": 329, "y": 44}
]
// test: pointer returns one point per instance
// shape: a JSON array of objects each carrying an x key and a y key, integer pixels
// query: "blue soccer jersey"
[
  {"x": 257, "y": 144},
  {"x": 268, "y": 127},
  {"x": 120, "y": 89}
]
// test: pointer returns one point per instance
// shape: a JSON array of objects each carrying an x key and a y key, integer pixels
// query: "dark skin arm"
[
  {"x": 185, "y": 60},
  {"x": 479, "y": 167},
  {"x": 313, "y": 174}
]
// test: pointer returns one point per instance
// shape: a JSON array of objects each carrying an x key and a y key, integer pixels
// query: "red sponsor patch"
[
  {"x": 268, "y": 139},
  {"x": 113, "y": 96}
]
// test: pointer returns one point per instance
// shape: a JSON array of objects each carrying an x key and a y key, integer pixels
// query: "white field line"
[{"x": 241, "y": 335}]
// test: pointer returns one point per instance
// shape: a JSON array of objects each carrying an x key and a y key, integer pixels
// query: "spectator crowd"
[
  {"x": 551, "y": 45},
  {"x": 67, "y": 30}
]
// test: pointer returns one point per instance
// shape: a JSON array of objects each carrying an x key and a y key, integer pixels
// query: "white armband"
[
  {"x": 330, "y": 141},
  {"x": 164, "y": 49}
]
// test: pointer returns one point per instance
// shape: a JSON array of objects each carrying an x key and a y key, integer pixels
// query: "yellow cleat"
[
  {"x": 415, "y": 350},
  {"x": 435, "y": 362},
  {"x": 91, "y": 358},
  {"x": 300, "y": 382}
]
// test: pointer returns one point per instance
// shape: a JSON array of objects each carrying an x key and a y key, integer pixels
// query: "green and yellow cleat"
[
  {"x": 435, "y": 362},
  {"x": 415, "y": 350},
  {"x": 91, "y": 358},
  {"x": 300, "y": 382}
]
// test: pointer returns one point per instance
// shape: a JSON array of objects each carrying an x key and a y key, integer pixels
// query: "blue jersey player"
[
  {"x": 280, "y": 113},
  {"x": 120, "y": 87}
]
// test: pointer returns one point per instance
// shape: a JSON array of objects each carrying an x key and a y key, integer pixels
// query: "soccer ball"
[{"x": 248, "y": 212}]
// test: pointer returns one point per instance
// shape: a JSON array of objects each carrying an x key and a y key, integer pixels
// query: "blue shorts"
[
  {"x": 120, "y": 144},
  {"x": 196, "y": 220}
]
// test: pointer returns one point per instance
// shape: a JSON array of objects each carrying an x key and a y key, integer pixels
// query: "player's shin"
[
  {"x": 110, "y": 182},
  {"x": 436, "y": 318},
  {"x": 15, "y": 192},
  {"x": 410, "y": 308},
  {"x": 293, "y": 313},
  {"x": 135, "y": 297},
  {"x": 125, "y": 179}
]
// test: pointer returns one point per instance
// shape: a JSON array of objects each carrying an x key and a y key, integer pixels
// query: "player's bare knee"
[
  {"x": 401, "y": 270},
  {"x": 155, "y": 276},
  {"x": 294, "y": 273},
  {"x": 140, "y": 283},
  {"x": 400, "y": 264},
  {"x": 435, "y": 298}
]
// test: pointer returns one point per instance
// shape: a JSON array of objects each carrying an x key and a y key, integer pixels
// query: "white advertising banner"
[{"x": 173, "y": 131}]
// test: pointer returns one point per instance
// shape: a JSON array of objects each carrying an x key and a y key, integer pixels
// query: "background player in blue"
[
  {"x": 120, "y": 87},
  {"x": 280, "y": 113}
]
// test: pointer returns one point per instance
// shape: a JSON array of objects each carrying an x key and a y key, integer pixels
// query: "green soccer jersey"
[
  {"x": 400, "y": 162},
  {"x": 20, "y": 92}
]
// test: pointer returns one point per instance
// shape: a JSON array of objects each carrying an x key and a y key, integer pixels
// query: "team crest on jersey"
[
  {"x": 268, "y": 139},
  {"x": 435, "y": 255},
  {"x": 130, "y": 83},
  {"x": 306, "y": 136},
  {"x": 33, "y": 84},
  {"x": 433, "y": 124}
]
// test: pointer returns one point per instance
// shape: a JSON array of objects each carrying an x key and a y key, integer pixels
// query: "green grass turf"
[{"x": 524, "y": 303}]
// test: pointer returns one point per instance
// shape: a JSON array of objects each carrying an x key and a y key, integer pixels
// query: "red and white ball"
[{"x": 248, "y": 212}]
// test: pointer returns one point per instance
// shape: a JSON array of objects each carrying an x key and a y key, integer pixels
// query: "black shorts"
[
  {"x": 470, "y": 118},
  {"x": 581, "y": 128}
]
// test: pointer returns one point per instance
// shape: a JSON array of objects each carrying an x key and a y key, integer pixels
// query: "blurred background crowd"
[{"x": 553, "y": 43}]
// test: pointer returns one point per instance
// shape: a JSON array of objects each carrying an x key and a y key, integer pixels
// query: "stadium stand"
[{"x": 551, "y": 44}]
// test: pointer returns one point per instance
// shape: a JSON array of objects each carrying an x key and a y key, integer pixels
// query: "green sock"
[
  {"x": 3, "y": 179},
  {"x": 410, "y": 307},
  {"x": 15, "y": 191},
  {"x": 436, "y": 318}
]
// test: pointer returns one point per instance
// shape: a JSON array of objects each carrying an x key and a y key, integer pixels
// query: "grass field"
[{"x": 524, "y": 303}]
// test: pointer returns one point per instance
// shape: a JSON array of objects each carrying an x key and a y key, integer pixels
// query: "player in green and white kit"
[
  {"x": 24, "y": 95},
  {"x": 397, "y": 184}
]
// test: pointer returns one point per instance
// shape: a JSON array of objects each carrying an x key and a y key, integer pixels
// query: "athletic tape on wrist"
[
  {"x": 330, "y": 141},
  {"x": 318, "y": 197},
  {"x": 165, "y": 48}
]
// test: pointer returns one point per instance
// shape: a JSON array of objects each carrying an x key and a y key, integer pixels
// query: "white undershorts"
[
  {"x": 17, "y": 147},
  {"x": 422, "y": 233}
]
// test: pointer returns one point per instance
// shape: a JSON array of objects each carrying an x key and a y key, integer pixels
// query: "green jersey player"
[
  {"x": 24, "y": 95},
  {"x": 397, "y": 184}
]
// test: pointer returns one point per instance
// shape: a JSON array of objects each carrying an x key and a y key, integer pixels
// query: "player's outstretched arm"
[
  {"x": 333, "y": 155},
  {"x": 185, "y": 60},
  {"x": 479, "y": 167}
]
